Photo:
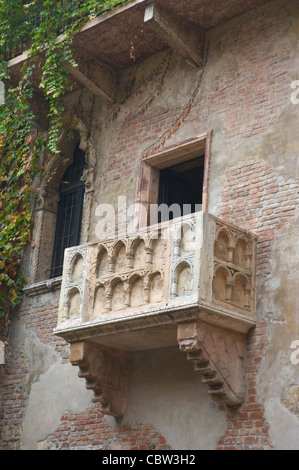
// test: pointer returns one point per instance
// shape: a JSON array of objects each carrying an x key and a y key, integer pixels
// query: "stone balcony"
[{"x": 190, "y": 281}]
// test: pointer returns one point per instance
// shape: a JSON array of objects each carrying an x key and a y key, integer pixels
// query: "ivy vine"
[{"x": 42, "y": 29}]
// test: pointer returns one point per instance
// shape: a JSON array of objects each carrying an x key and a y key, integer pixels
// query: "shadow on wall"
[{"x": 166, "y": 393}]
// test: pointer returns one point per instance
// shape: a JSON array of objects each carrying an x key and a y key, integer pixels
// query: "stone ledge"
[
  {"x": 2, "y": 353},
  {"x": 43, "y": 287}
]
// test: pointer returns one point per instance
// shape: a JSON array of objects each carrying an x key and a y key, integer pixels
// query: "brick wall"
[
  {"x": 90, "y": 430},
  {"x": 251, "y": 82},
  {"x": 136, "y": 131},
  {"x": 258, "y": 199},
  {"x": 1, "y": 402},
  {"x": 244, "y": 97},
  {"x": 247, "y": 428},
  {"x": 39, "y": 320},
  {"x": 77, "y": 430}
]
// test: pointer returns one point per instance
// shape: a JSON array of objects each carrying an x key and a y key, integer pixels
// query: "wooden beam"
[
  {"x": 99, "y": 78},
  {"x": 182, "y": 36}
]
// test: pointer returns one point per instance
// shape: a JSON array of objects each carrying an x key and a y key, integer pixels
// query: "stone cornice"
[{"x": 43, "y": 287}]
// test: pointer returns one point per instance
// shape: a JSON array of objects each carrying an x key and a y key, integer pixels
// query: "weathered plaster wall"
[
  {"x": 187, "y": 407},
  {"x": 243, "y": 96},
  {"x": 48, "y": 406},
  {"x": 58, "y": 389},
  {"x": 279, "y": 377},
  {"x": 256, "y": 181}
]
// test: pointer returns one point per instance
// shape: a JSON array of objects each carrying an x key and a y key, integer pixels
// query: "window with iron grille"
[{"x": 70, "y": 209}]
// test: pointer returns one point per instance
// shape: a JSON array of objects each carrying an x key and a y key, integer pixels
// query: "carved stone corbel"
[
  {"x": 46, "y": 199},
  {"x": 217, "y": 355},
  {"x": 106, "y": 372}
]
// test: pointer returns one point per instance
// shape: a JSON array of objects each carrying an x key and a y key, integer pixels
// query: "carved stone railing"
[{"x": 190, "y": 282}]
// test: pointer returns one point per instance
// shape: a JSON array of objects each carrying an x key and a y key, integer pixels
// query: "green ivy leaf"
[{"x": 34, "y": 27}]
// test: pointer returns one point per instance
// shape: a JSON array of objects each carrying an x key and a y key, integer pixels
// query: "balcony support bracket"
[
  {"x": 106, "y": 372},
  {"x": 189, "y": 282},
  {"x": 180, "y": 35},
  {"x": 217, "y": 355},
  {"x": 98, "y": 77}
]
